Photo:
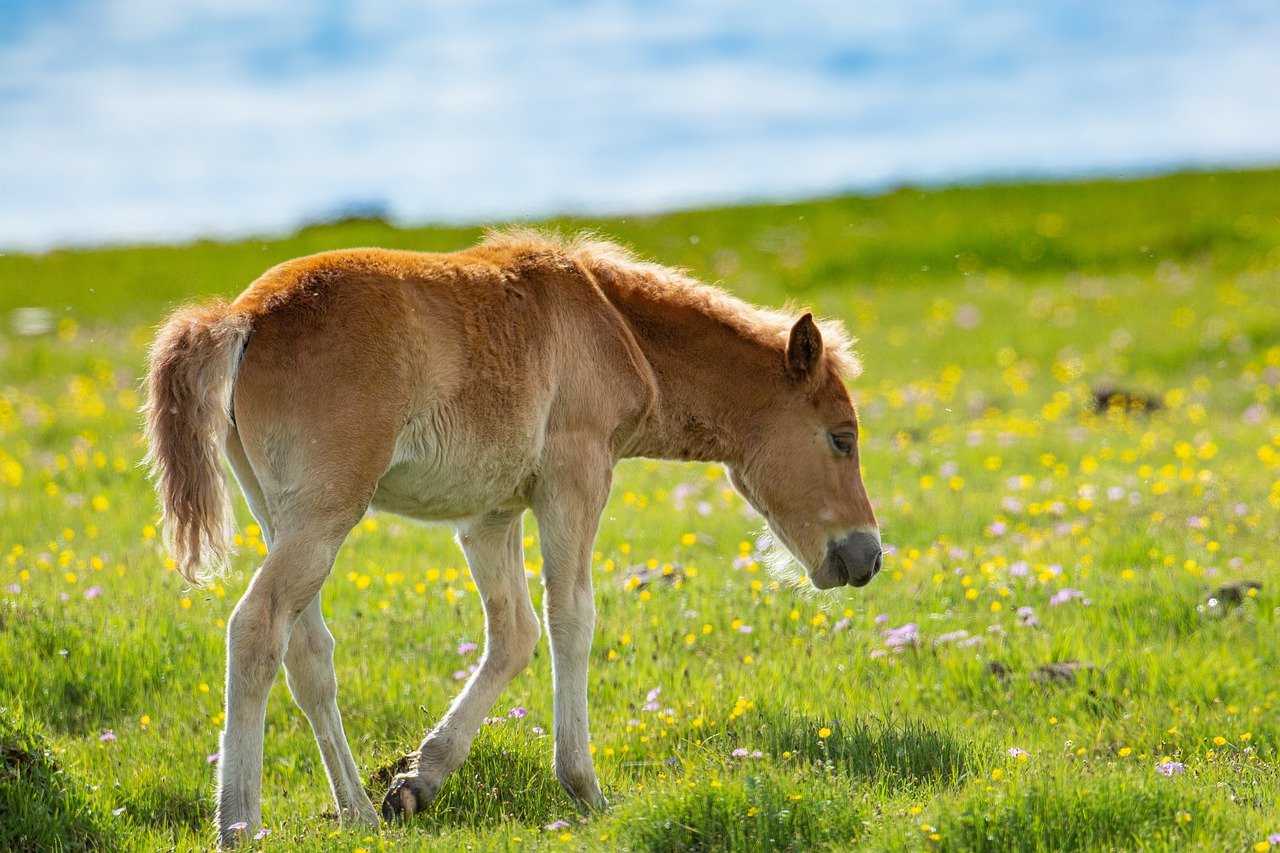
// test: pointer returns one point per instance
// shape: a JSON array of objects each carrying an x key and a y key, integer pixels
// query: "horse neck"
[{"x": 711, "y": 381}]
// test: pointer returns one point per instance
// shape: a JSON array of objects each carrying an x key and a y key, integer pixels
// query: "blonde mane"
[{"x": 604, "y": 257}]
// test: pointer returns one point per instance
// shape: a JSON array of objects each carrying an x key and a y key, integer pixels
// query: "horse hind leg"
[
  {"x": 319, "y": 398},
  {"x": 309, "y": 670},
  {"x": 303, "y": 546}
]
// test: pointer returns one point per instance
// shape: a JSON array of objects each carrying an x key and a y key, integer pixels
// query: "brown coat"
[{"x": 467, "y": 387}]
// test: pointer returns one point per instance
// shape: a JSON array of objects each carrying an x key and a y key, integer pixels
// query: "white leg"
[
  {"x": 308, "y": 665},
  {"x": 568, "y": 510},
  {"x": 257, "y": 634},
  {"x": 493, "y": 550}
]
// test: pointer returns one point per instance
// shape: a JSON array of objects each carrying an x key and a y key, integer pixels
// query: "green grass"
[
  {"x": 986, "y": 315},
  {"x": 43, "y": 807}
]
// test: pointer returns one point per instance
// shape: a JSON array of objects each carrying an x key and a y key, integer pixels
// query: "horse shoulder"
[{"x": 607, "y": 387}]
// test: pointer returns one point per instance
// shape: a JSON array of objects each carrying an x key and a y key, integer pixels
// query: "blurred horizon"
[{"x": 139, "y": 121}]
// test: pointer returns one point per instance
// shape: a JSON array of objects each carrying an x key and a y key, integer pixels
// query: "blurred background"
[{"x": 147, "y": 120}]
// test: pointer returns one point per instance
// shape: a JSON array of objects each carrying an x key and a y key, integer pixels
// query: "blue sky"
[{"x": 126, "y": 120}]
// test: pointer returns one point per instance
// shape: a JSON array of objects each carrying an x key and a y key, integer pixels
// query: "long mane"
[{"x": 627, "y": 271}]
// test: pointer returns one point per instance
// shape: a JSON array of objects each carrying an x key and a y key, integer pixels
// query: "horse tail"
[{"x": 192, "y": 372}]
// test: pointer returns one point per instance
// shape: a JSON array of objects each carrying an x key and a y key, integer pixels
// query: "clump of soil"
[{"x": 1108, "y": 397}]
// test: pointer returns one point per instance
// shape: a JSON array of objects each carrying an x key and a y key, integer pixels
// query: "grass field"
[{"x": 731, "y": 710}]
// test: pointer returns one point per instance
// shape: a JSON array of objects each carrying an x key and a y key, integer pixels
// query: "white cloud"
[{"x": 140, "y": 119}]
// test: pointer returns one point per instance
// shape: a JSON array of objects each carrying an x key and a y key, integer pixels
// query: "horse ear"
[{"x": 804, "y": 349}]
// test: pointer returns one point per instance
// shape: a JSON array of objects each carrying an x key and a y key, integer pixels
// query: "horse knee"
[
  {"x": 319, "y": 692},
  {"x": 570, "y": 602},
  {"x": 511, "y": 641},
  {"x": 511, "y": 633},
  {"x": 320, "y": 646}
]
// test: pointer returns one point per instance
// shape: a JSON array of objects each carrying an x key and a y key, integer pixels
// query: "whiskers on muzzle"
[{"x": 779, "y": 562}]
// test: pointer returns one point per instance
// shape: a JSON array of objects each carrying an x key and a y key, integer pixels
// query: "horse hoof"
[
  {"x": 361, "y": 816},
  {"x": 591, "y": 802},
  {"x": 407, "y": 795},
  {"x": 598, "y": 804}
]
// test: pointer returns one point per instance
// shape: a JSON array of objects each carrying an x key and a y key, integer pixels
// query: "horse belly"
[
  {"x": 425, "y": 492},
  {"x": 431, "y": 480}
]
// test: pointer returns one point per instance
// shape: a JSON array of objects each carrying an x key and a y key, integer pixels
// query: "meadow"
[{"x": 1073, "y": 644}]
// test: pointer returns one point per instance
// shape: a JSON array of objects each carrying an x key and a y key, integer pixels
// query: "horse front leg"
[
  {"x": 568, "y": 507},
  {"x": 494, "y": 553}
]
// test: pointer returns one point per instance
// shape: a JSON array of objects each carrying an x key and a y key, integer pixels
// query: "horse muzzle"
[{"x": 853, "y": 560}]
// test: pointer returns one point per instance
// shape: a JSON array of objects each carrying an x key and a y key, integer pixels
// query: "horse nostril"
[{"x": 875, "y": 568}]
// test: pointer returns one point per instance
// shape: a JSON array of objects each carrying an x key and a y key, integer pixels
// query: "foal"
[{"x": 469, "y": 387}]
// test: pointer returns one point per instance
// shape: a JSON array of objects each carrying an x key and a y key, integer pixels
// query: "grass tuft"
[
  {"x": 1077, "y": 814},
  {"x": 887, "y": 751},
  {"x": 752, "y": 813},
  {"x": 507, "y": 778}
]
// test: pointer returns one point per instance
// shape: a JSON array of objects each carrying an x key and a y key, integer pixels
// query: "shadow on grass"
[
  {"x": 41, "y": 807},
  {"x": 507, "y": 778},
  {"x": 894, "y": 752}
]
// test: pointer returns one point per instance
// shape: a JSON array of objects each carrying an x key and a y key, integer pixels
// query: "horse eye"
[{"x": 843, "y": 443}]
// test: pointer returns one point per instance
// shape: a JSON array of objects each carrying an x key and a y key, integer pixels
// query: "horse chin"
[{"x": 825, "y": 579}]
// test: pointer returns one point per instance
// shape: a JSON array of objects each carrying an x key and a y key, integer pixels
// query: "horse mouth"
[
  {"x": 841, "y": 567},
  {"x": 864, "y": 578},
  {"x": 835, "y": 573},
  {"x": 841, "y": 571},
  {"x": 848, "y": 577}
]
